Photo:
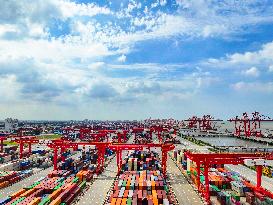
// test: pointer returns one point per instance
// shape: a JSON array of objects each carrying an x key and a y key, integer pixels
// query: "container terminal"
[{"x": 199, "y": 160}]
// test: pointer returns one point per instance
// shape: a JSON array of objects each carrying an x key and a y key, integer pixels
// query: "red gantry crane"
[
  {"x": 64, "y": 145},
  {"x": 2, "y": 139},
  {"x": 249, "y": 126},
  {"x": 29, "y": 140},
  {"x": 207, "y": 160},
  {"x": 165, "y": 148},
  {"x": 204, "y": 124},
  {"x": 101, "y": 146}
]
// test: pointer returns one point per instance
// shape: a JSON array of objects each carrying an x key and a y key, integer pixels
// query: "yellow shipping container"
[{"x": 35, "y": 201}]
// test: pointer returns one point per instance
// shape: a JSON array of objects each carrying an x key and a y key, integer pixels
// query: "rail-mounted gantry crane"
[{"x": 249, "y": 126}]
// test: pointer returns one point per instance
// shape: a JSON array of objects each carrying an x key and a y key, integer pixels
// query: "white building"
[{"x": 11, "y": 124}]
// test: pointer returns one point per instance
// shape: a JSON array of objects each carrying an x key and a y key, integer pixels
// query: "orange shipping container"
[
  {"x": 124, "y": 201},
  {"x": 56, "y": 201},
  {"x": 35, "y": 201},
  {"x": 55, "y": 194},
  {"x": 28, "y": 192},
  {"x": 113, "y": 201},
  {"x": 18, "y": 193},
  {"x": 155, "y": 201},
  {"x": 4, "y": 184},
  {"x": 118, "y": 202}
]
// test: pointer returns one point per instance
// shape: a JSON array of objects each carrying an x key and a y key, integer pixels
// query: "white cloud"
[
  {"x": 270, "y": 68},
  {"x": 56, "y": 50},
  {"x": 261, "y": 58},
  {"x": 261, "y": 87},
  {"x": 70, "y": 67},
  {"x": 9, "y": 89},
  {"x": 265, "y": 54},
  {"x": 253, "y": 71},
  {"x": 4, "y": 28},
  {"x": 163, "y": 2},
  {"x": 214, "y": 30},
  {"x": 122, "y": 58},
  {"x": 71, "y": 9}
]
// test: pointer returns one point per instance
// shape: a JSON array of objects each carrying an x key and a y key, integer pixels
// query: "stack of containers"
[
  {"x": 85, "y": 175},
  {"x": 228, "y": 186},
  {"x": 141, "y": 160},
  {"x": 138, "y": 187},
  {"x": 25, "y": 164},
  {"x": 239, "y": 188},
  {"x": 140, "y": 182},
  {"x": 58, "y": 187},
  {"x": 10, "y": 177},
  {"x": 250, "y": 198}
]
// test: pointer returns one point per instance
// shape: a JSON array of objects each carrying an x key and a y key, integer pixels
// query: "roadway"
[{"x": 184, "y": 192}]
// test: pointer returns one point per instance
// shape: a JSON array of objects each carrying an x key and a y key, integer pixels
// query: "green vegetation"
[
  {"x": 49, "y": 137},
  {"x": 10, "y": 143},
  {"x": 196, "y": 141}
]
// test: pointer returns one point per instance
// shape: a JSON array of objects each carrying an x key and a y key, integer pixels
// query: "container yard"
[
  {"x": 151, "y": 162},
  {"x": 74, "y": 166}
]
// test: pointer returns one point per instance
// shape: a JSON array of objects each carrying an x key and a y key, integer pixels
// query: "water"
[
  {"x": 231, "y": 141},
  {"x": 266, "y": 127}
]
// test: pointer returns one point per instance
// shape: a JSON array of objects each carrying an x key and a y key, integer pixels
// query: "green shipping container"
[
  {"x": 129, "y": 201},
  {"x": 235, "y": 196},
  {"x": 202, "y": 178},
  {"x": 215, "y": 188},
  {"x": 33, "y": 185},
  {"x": 75, "y": 180},
  {"x": 18, "y": 201},
  {"x": 58, "y": 186},
  {"x": 269, "y": 200},
  {"x": 166, "y": 189},
  {"x": 124, "y": 183},
  {"x": 82, "y": 185},
  {"x": 45, "y": 201}
]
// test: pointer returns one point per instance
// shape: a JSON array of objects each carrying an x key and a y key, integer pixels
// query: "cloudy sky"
[{"x": 120, "y": 59}]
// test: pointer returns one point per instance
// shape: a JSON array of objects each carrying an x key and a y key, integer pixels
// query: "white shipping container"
[
  {"x": 188, "y": 164},
  {"x": 166, "y": 202},
  {"x": 121, "y": 192},
  {"x": 120, "y": 183},
  {"x": 131, "y": 192}
]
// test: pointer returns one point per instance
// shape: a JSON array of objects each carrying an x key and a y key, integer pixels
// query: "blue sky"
[{"x": 120, "y": 59}]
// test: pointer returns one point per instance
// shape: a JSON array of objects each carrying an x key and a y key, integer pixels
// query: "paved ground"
[
  {"x": 96, "y": 194},
  {"x": 184, "y": 192}
]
